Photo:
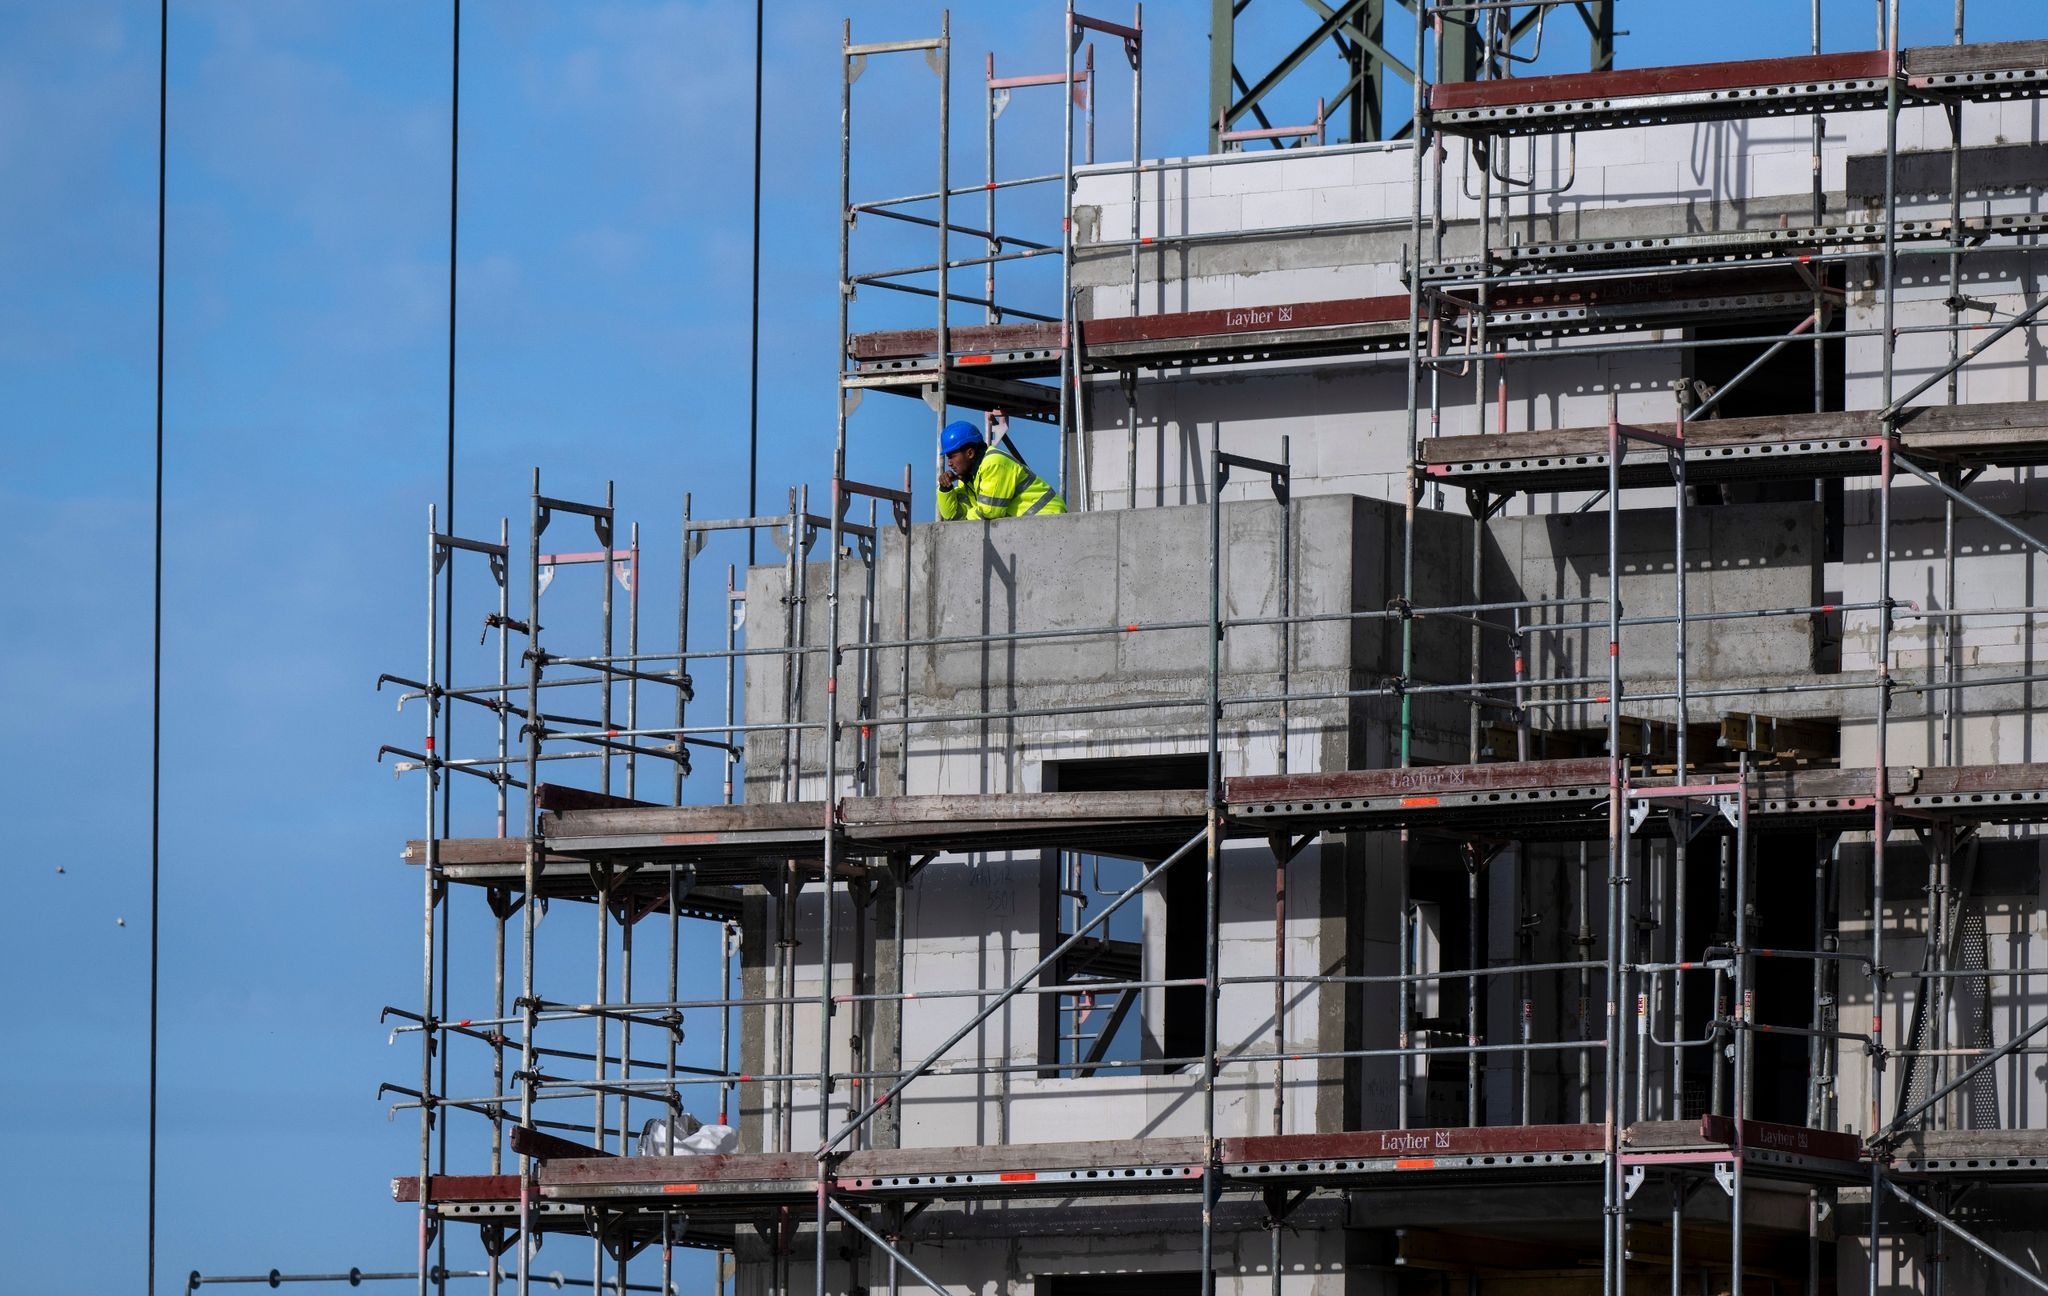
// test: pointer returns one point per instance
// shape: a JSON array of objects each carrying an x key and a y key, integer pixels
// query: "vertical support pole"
[
  {"x": 1219, "y": 473},
  {"x": 1678, "y": 1195},
  {"x": 1584, "y": 945},
  {"x": 1368, "y": 101},
  {"x": 1137, "y": 59},
  {"x": 942, "y": 381},
  {"x": 1286, "y": 601},
  {"x": 601, "y": 1022},
  {"x": 633, "y": 650},
  {"x": 865, "y": 774},
  {"x": 903, "y": 685},
  {"x": 528, "y": 1017},
  {"x": 1889, "y": 342},
  {"x": 734, "y": 601},
  {"x": 1284, "y": 851},
  {"x": 607, "y": 687},
  {"x": 1087, "y": 104},
  {"x": 1424, "y": 142},
  {"x": 683, "y": 647},
  {"x": 1222, "y": 66},
  {"x": 669, "y": 1066},
  {"x": 1817, "y": 137},
  {"x": 1744, "y": 1015},
  {"x": 504, "y": 578},
  {"x": 1070, "y": 375},
  {"x": 1617, "y": 865},
  {"x": 1472, "y": 1055},
  {"x": 1681, "y": 510},
  {"x": 990, "y": 312},
  {"x": 1881, "y": 791},
  {"x": 1602, "y": 26},
  {"x": 430, "y": 1025},
  {"x": 1129, "y": 377}
]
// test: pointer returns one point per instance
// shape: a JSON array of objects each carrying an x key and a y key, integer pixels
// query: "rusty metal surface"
[
  {"x": 1416, "y": 781},
  {"x": 1639, "y": 82},
  {"x": 795, "y": 1168},
  {"x": 969, "y": 339},
  {"x": 555, "y": 796},
  {"x": 999, "y": 338},
  {"x": 1639, "y": 290},
  {"x": 457, "y": 1188},
  {"x": 1457, "y": 1141},
  {"x": 1245, "y": 319},
  {"x": 548, "y": 1147},
  {"x": 749, "y": 817},
  {"x": 1017, "y": 1163},
  {"x": 1797, "y": 1140}
]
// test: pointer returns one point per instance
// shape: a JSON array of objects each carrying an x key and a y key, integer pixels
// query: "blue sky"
[{"x": 603, "y": 260}]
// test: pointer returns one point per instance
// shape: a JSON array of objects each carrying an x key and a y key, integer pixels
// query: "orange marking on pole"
[
  {"x": 1418, "y": 801},
  {"x": 1415, "y": 1163},
  {"x": 1018, "y": 1176},
  {"x": 680, "y": 1188}
]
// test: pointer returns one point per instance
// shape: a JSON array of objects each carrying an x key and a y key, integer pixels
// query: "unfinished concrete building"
[{"x": 1517, "y": 774}]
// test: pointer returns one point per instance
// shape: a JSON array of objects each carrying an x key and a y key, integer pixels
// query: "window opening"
[{"x": 1097, "y": 1018}]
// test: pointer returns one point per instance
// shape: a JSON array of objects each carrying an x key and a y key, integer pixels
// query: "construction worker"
[{"x": 981, "y": 483}]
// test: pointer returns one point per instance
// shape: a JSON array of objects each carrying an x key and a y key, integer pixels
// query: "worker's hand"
[
  {"x": 948, "y": 479},
  {"x": 998, "y": 422}
]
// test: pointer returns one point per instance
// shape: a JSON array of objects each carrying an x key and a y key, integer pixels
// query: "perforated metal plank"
[
  {"x": 1462, "y": 1152},
  {"x": 1648, "y": 96},
  {"x": 1731, "y": 247}
]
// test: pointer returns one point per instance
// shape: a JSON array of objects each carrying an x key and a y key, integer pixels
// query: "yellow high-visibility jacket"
[{"x": 1002, "y": 487}]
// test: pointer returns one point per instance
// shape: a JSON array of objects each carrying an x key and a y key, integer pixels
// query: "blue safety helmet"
[{"x": 960, "y": 435}]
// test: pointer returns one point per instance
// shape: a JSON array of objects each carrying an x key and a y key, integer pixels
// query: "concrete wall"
[
  {"x": 1739, "y": 557},
  {"x": 975, "y": 921},
  {"x": 1106, "y": 571}
]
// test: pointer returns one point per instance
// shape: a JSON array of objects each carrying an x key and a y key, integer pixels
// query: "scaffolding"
[{"x": 840, "y": 837}]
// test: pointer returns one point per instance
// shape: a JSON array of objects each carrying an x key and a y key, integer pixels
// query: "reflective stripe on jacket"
[{"x": 1002, "y": 487}]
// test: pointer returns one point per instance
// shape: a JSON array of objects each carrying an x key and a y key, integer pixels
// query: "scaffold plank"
[
  {"x": 457, "y": 1188},
  {"x": 1718, "y": 247},
  {"x": 1689, "y": 78},
  {"x": 2011, "y": 434},
  {"x": 1455, "y": 1141},
  {"x": 2017, "y": 1155},
  {"x": 1024, "y": 1169},
  {"x": 708, "y": 835},
  {"x": 1645, "y": 96},
  {"x": 1806, "y": 83},
  {"x": 1563, "y": 798}
]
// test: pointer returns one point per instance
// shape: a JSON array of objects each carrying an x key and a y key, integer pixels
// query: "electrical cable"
[
  {"x": 156, "y": 665},
  {"x": 754, "y": 327}
]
